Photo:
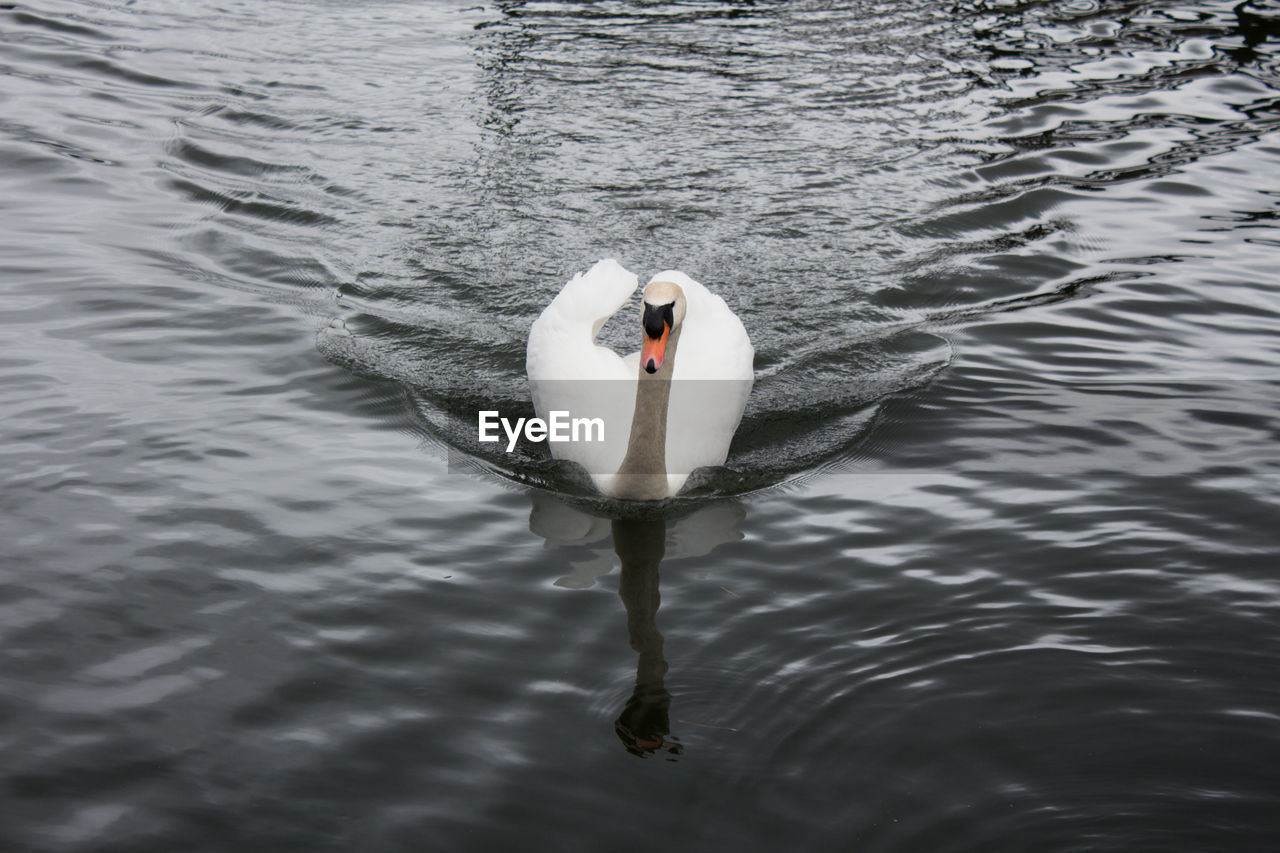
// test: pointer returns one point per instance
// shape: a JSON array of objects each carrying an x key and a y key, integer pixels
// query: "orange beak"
[{"x": 653, "y": 350}]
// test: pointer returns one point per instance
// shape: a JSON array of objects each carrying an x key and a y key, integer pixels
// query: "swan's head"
[{"x": 662, "y": 308}]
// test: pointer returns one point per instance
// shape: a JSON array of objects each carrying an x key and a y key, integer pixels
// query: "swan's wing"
[
  {"x": 562, "y": 340},
  {"x": 569, "y": 373},
  {"x": 702, "y": 417}
]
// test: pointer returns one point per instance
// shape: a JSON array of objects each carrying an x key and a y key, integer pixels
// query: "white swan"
[{"x": 663, "y": 419}]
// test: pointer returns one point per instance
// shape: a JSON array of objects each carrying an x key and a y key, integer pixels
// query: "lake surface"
[{"x": 993, "y": 565}]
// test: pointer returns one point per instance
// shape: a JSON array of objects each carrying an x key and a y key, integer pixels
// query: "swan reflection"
[{"x": 643, "y": 725}]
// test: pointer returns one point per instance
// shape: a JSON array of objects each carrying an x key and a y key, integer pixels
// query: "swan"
[{"x": 668, "y": 409}]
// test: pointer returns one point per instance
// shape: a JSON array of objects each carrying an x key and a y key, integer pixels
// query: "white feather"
[{"x": 711, "y": 376}]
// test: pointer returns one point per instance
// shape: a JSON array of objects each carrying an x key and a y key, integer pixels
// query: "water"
[{"x": 993, "y": 564}]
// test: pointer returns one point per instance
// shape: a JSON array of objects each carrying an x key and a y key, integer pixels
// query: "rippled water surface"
[{"x": 994, "y": 561}]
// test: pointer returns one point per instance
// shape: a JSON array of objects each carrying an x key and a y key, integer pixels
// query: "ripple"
[{"x": 1000, "y": 561}]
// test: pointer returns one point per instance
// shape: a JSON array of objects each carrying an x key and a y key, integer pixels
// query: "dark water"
[{"x": 995, "y": 562}]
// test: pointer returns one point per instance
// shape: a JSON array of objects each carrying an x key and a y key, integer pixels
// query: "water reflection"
[
  {"x": 644, "y": 723},
  {"x": 1257, "y": 23}
]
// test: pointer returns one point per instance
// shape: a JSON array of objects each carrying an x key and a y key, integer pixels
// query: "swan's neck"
[{"x": 643, "y": 473}]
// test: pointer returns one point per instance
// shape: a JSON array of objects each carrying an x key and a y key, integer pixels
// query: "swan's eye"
[{"x": 658, "y": 318}]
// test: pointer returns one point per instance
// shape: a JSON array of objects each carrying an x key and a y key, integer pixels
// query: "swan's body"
[{"x": 663, "y": 422}]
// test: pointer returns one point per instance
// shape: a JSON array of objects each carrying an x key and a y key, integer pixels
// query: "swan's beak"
[
  {"x": 653, "y": 350},
  {"x": 657, "y": 322}
]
